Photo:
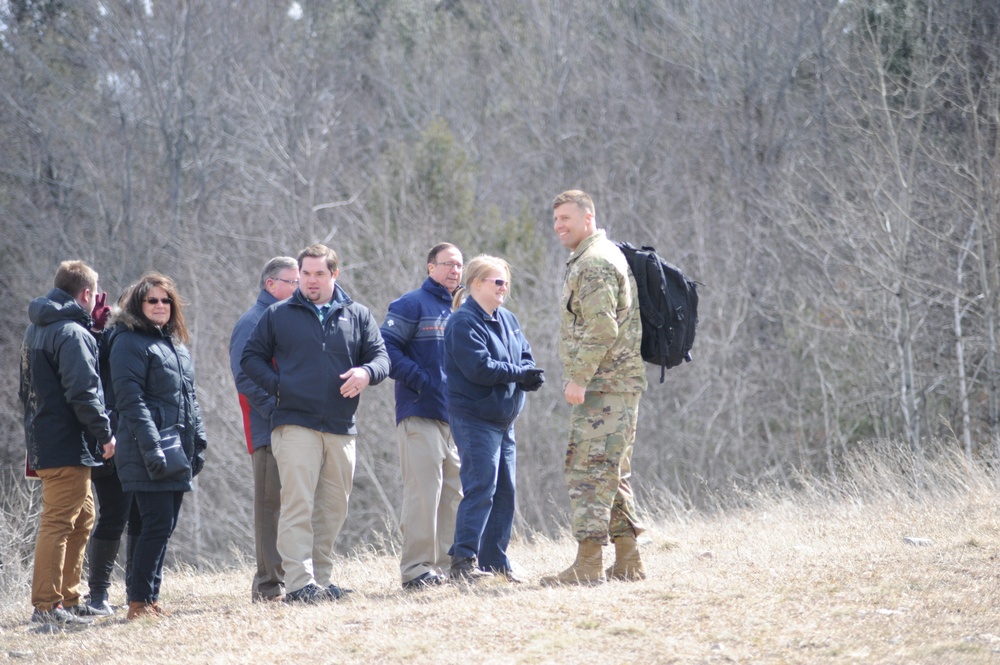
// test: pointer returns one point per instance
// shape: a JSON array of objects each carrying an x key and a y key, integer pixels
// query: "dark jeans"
[
  {"x": 158, "y": 512},
  {"x": 489, "y": 469},
  {"x": 113, "y": 508}
]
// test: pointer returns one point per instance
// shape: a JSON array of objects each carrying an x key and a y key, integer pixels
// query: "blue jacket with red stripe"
[{"x": 413, "y": 331}]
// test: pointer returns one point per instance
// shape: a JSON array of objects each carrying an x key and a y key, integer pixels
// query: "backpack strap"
[{"x": 662, "y": 332}]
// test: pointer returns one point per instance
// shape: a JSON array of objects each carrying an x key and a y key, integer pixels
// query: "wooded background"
[{"x": 827, "y": 170}]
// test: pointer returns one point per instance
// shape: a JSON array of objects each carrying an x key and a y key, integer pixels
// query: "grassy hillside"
[{"x": 822, "y": 577}]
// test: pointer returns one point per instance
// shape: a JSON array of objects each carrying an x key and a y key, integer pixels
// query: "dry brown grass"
[{"x": 811, "y": 581}]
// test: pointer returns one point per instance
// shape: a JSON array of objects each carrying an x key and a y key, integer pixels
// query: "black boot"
[{"x": 102, "y": 563}]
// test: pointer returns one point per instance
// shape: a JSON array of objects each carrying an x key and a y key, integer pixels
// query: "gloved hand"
[
  {"x": 197, "y": 464},
  {"x": 533, "y": 380},
  {"x": 156, "y": 463},
  {"x": 101, "y": 311}
]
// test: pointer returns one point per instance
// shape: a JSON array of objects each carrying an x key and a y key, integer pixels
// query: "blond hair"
[
  {"x": 477, "y": 268},
  {"x": 577, "y": 196}
]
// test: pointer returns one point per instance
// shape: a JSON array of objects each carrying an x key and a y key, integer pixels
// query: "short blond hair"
[{"x": 577, "y": 196}]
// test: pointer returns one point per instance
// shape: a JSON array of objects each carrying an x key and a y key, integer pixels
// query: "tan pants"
[
  {"x": 432, "y": 491},
  {"x": 67, "y": 517},
  {"x": 317, "y": 474},
  {"x": 269, "y": 580}
]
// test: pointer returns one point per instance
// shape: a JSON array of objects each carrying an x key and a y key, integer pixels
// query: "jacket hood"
[{"x": 57, "y": 306}]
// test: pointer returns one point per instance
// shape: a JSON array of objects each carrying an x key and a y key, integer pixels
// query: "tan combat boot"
[
  {"x": 628, "y": 565},
  {"x": 587, "y": 569}
]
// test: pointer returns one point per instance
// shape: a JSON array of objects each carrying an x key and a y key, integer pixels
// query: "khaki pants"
[
  {"x": 432, "y": 490},
  {"x": 67, "y": 517},
  {"x": 269, "y": 580},
  {"x": 317, "y": 474}
]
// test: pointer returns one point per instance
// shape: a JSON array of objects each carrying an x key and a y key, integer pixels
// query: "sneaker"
[
  {"x": 465, "y": 569},
  {"x": 310, "y": 593},
  {"x": 85, "y": 610},
  {"x": 334, "y": 592},
  {"x": 59, "y": 616},
  {"x": 101, "y": 609},
  {"x": 430, "y": 578}
]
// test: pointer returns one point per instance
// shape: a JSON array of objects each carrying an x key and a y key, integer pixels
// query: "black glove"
[
  {"x": 101, "y": 311},
  {"x": 533, "y": 379},
  {"x": 156, "y": 463},
  {"x": 197, "y": 464}
]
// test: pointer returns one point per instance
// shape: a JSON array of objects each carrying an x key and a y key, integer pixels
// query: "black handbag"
[{"x": 173, "y": 450}]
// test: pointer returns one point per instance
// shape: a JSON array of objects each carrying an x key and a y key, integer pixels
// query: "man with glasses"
[
  {"x": 316, "y": 353},
  {"x": 63, "y": 400},
  {"x": 432, "y": 489},
  {"x": 278, "y": 280}
]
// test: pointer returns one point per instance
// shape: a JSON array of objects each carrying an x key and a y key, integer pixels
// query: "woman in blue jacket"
[
  {"x": 153, "y": 379},
  {"x": 488, "y": 364}
]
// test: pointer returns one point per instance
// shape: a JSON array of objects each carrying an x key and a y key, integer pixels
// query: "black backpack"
[{"x": 668, "y": 307}]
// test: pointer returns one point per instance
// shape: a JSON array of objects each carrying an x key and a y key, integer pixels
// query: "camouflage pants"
[{"x": 599, "y": 465}]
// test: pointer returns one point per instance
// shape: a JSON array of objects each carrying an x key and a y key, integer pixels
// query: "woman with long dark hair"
[{"x": 153, "y": 380}]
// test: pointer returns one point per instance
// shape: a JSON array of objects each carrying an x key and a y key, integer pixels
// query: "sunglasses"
[
  {"x": 157, "y": 301},
  {"x": 501, "y": 282}
]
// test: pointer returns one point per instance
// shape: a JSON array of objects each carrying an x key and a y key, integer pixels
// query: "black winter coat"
[
  {"x": 153, "y": 380},
  {"x": 60, "y": 389},
  {"x": 297, "y": 359}
]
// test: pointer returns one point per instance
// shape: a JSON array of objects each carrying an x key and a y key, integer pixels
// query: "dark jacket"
[
  {"x": 484, "y": 359},
  {"x": 256, "y": 405},
  {"x": 105, "y": 339},
  {"x": 60, "y": 388},
  {"x": 153, "y": 379},
  {"x": 413, "y": 331},
  {"x": 299, "y": 360}
]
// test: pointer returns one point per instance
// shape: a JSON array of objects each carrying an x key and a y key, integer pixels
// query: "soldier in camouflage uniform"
[{"x": 605, "y": 376}]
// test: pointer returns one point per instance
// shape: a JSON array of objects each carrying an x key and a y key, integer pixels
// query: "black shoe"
[
  {"x": 430, "y": 578},
  {"x": 509, "y": 575},
  {"x": 310, "y": 593},
  {"x": 465, "y": 569},
  {"x": 98, "y": 609},
  {"x": 61, "y": 618},
  {"x": 85, "y": 610},
  {"x": 334, "y": 592}
]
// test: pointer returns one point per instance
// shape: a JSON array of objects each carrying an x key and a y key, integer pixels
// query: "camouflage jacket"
[{"x": 601, "y": 331}]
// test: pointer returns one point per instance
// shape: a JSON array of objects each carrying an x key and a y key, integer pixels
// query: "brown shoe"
[
  {"x": 138, "y": 609},
  {"x": 159, "y": 609},
  {"x": 466, "y": 569}
]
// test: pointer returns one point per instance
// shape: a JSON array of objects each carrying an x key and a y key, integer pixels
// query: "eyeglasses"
[
  {"x": 500, "y": 282},
  {"x": 450, "y": 264},
  {"x": 157, "y": 301},
  {"x": 293, "y": 282}
]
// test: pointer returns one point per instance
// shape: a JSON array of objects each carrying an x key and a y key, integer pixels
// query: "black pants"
[
  {"x": 158, "y": 512},
  {"x": 114, "y": 505}
]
